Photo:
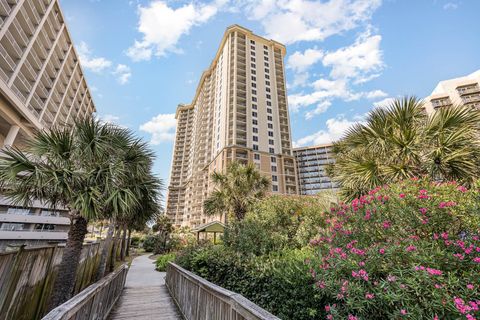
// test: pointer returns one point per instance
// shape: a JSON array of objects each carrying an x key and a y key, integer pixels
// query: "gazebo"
[{"x": 211, "y": 227}]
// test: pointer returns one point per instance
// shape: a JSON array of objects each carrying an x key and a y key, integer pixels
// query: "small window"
[
  {"x": 253, "y": 65},
  {"x": 252, "y": 42},
  {"x": 270, "y": 126},
  {"x": 275, "y": 188},
  {"x": 270, "y": 133},
  {"x": 254, "y": 114},
  {"x": 255, "y": 147},
  {"x": 252, "y": 59},
  {"x": 269, "y": 118},
  {"x": 255, "y": 130},
  {"x": 255, "y": 121},
  {"x": 271, "y": 150},
  {"x": 266, "y": 71},
  {"x": 266, "y": 64},
  {"x": 269, "y": 103},
  {"x": 254, "y": 91},
  {"x": 274, "y": 178},
  {"x": 252, "y": 47},
  {"x": 267, "y": 76},
  {"x": 273, "y": 159},
  {"x": 267, "y": 83},
  {"x": 265, "y": 53},
  {"x": 255, "y": 138},
  {"x": 254, "y": 78},
  {"x": 265, "y": 47},
  {"x": 252, "y": 53},
  {"x": 269, "y": 96},
  {"x": 265, "y": 58},
  {"x": 256, "y": 156},
  {"x": 267, "y": 89},
  {"x": 274, "y": 168},
  {"x": 254, "y": 85},
  {"x": 271, "y": 142},
  {"x": 269, "y": 110},
  {"x": 254, "y": 106},
  {"x": 253, "y": 71}
]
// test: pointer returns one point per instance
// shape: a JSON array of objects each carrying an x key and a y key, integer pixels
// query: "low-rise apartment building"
[{"x": 41, "y": 85}]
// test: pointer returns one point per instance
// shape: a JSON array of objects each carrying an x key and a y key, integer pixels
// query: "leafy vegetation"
[
  {"x": 402, "y": 141},
  {"x": 163, "y": 260}
]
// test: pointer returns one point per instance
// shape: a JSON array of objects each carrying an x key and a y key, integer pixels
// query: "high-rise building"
[
  {"x": 41, "y": 85},
  {"x": 458, "y": 91},
  {"x": 239, "y": 113},
  {"x": 312, "y": 164}
]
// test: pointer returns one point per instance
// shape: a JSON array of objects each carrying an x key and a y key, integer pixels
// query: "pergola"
[{"x": 211, "y": 227}]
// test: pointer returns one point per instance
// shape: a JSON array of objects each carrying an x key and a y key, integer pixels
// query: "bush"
[
  {"x": 135, "y": 241},
  {"x": 408, "y": 251},
  {"x": 149, "y": 243},
  {"x": 277, "y": 223},
  {"x": 163, "y": 260},
  {"x": 279, "y": 282}
]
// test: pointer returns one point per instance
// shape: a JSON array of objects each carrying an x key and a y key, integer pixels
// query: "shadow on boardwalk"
[{"x": 145, "y": 295}]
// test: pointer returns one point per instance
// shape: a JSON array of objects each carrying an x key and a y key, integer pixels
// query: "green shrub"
[
  {"x": 408, "y": 251},
  {"x": 279, "y": 283},
  {"x": 149, "y": 243},
  {"x": 163, "y": 260},
  {"x": 135, "y": 241}
]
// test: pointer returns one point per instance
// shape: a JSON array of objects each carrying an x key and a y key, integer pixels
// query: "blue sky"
[{"x": 344, "y": 57}]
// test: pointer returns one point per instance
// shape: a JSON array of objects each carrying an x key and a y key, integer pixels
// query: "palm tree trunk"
[
  {"x": 123, "y": 248},
  {"x": 128, "y": 242},
  {"x": 67, "y": 270},
  {"x": 115, "y": 257},
  {"x": 105, "y": 250}
]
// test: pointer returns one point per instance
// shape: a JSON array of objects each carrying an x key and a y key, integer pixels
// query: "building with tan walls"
[
  {"x": 239, "y": 113},
  {"x": 41, "y": 85}
]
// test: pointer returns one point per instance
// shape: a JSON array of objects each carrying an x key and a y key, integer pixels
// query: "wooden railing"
[
  {"x": 95, "y": 302},
  {"x": 199, "y": 299}
]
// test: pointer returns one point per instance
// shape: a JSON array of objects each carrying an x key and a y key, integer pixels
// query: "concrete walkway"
[{"x": 145, "y": 295}]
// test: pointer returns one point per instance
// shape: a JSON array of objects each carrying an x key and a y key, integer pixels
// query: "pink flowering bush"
[{"x": 405, "y": 251}]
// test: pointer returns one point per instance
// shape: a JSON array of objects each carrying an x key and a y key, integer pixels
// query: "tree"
[
  {"x": 236, "y": 190},
  {"x": 402, "y": 141},
  {"x": 76, "y": 168}
]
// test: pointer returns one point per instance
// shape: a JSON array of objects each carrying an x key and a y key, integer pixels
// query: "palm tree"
[
  {"x": 236, "y": 190},
  {"x": 402, "y": 141},
  {"x": 74, "y": 168}
]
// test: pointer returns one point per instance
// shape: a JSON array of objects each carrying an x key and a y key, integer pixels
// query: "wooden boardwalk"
[{"x": 145, "y": 295}]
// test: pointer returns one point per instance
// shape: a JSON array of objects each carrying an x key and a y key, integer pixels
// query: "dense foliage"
[
  {"x": 407, "y": 251},
  {"x": 401, "y": 141},
  {"x": 162, "y": 261}
]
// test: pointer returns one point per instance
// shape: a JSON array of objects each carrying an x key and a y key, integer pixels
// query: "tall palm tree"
[
  {"x": 74, "y": 168},
  {"x": 236, "y": 190},
  {"x": 402, "y": 141}
]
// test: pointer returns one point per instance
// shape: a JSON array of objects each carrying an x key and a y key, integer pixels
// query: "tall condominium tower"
[
  {"x": 239, "y": 113},
  {"x": 41, "y": 85},
  {"x": 458, "y": 91},
  {"x": 312, "y": 163}
]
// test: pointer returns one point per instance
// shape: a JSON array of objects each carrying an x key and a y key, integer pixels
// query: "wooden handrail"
[
  {"x": 96, "y": 301},
  {"x": 199, "y": 299}
]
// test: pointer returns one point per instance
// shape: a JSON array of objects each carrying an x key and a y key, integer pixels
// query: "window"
[
  {"x": 267, "y": 76},
  {"x": 274, "y": 168},
  {"x": 265, "y": 58},
  {"x": 273, "y": 159},
  {"x": 253, "y": 71},
  {"x": 267, "y": 89},
  {"x": 275, "y": 188},
  {"x": 252, "y": 42},
  {"x": 270, "y": 126},
  {"x": 254, "y": 85},
  {"x": 274, "y": 178},
  {"x": 269, "y": 96},
  {"x": 254, "y": 91},
  {"x": 266, "y": 64},
  {"x": 269, "y": 110},
  {"x": 270, "y": 141},
  {"x": 256, "y": 156},
  {"x": 270, "y": 133},
  {"x": 254, "y": 114},
  {"x": 255, "y": 138},
  {"x": 267, "y": 83},
  {"x": 255, "y": 121},
  {"x": 252, "y": 59},
  {"x": 252, "y": 53},
  {"x": 253, "y": 65},
  {"x": 254, "y": 106},
  {"x": 269, "y": 103},
  {"x": 252, "y": 47},
  {"x": 266, "y": 71},
  {"x": 254, "y": 99},
  {"x": 269, "y": 118},
  {"x": 271, "y": 150},
  {"x": 254, "y": 78},
  {"x": 255, "y": 147},
  {"x": 265, "y": 53},
  {"x": 255, "y": 130},
  {"x": 265, "y": 47}
]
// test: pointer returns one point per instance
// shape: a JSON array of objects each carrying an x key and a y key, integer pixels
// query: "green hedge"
[{"x": 163, "y": 260}]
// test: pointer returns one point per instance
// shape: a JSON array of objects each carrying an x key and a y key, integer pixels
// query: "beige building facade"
[
  {"x": 312, "y": 163},
  {"x": 239, "y": 113},
  {"x": 41, "y": 85},
  {"x": 459, "y": 91}
]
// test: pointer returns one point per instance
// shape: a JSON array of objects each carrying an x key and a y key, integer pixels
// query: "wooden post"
[{"x": 214, "y": 238}]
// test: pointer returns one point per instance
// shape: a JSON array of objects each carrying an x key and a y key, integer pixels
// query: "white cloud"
[
  {"x": 290, "y": 21},
  {"x": 163, "y": 26},
  {"x": 299, "y": 61},
  {"x": 361, "y": 61},
  {"x": 383, "y": 103},
  {"x": 109, "y": 118},
  {"x": 161, "y": 127},
  {"x": 321, "y": 108},
  {"x": 450, "y": 6},
  {"x": 123, "y": 73},
  {"x": 336, "y": 128},
  {"x": 95, "y": 64}
]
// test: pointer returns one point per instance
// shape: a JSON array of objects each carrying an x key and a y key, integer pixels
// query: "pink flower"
[
  {"x": 444, "y": 235},
  {"x": 327, "y": 308},
  {"x": 435, "y": 317},
  {"x": 411, "y": 248},
  {"x": 386, "y": 224},
  {"x": 462, "y": 189},
  {"x": 391, "y": 278},
  {"x": 424, "y": 221},
  {"x": 352, "y": 317},
  {"x": 329, "y": 317},
  {"x": 361, "y": 263},
  {"x": 369, "y": 296},
  {"x": 402, "y": 195},
  {"x": 476, "y": 260},
  {"x": 470, "y": 286},
  {"x": 381, "y": 251},
  {"x": 459, "y": 256},
  {"x": 360, "y": 274},
  {"x": 403, "y": 312},
  {"x": 423, "y": 210},
  {"x": 438, "y": 286}
]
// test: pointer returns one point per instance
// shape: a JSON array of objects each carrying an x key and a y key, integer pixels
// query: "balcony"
[{"x": 468, "y": 89}]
